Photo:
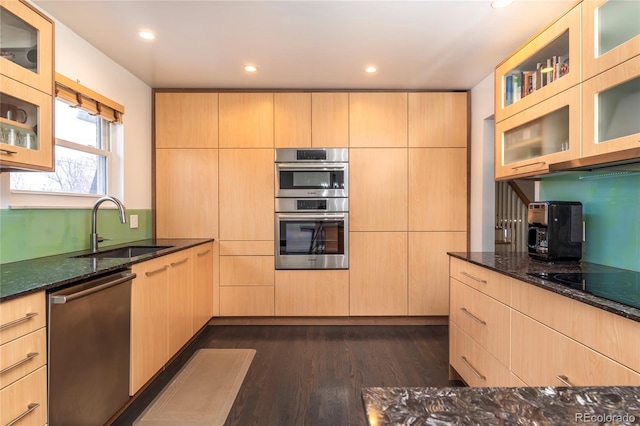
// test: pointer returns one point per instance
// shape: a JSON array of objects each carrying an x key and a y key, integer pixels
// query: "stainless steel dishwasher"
[{"x": 88, "y": 336}]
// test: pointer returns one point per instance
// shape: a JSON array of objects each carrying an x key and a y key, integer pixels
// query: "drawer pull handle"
[
  {"x": 18, "y": 321},
  {"x": 29, "y": 357},
  {"x": 474, "y": 278},
  {"x": 179, "y": 262},
  {"x": 157, "y": 271},
  {"x": 473, "y": 317},
  {"x": 529, "y": 164},
  {"x": 204, "y": 252},
  {"x": 8, "y": 151},
  {"x": 30, "y": 408},
  {"x": 476, "y": 372},
  {"x": 564, "y": 380}
]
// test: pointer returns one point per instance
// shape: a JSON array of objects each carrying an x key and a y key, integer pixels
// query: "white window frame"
[{"x": 23, "y": 199}]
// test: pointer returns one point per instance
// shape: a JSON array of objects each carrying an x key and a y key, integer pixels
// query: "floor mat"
[{"x": 203, "y": 391}]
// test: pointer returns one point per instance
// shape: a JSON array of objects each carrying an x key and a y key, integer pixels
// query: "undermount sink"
[{"x": 125, "y": 252}]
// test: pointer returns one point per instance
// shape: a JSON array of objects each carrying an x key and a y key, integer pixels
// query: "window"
[{"x": 82, "y": 155}]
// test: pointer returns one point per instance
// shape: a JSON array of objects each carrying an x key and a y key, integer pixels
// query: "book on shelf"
[{"x": 508, "y": 83}]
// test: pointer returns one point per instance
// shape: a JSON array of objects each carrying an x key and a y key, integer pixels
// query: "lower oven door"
[{"x": 312, "y": 240}]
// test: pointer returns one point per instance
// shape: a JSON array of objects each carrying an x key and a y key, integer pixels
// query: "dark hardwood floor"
[{"x": 313, "y": 375}]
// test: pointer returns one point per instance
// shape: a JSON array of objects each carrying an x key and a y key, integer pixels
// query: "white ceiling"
[{"x": 446, "y": 45}]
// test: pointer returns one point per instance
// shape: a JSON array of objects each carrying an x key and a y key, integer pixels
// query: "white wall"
[
  {"x": 77, "y": 59},
  {"x": 482, "y": 208}
]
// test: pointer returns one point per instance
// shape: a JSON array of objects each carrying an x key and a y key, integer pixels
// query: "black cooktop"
[{"x": 621, "y": 287}]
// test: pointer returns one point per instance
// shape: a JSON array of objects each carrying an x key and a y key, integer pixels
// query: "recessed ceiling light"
[
  {"x": 250, "y": 68},
  {"x": 497, "y": 4},
  {"x": 370, "y": 70},
  {"x": 147, "y": 35}
]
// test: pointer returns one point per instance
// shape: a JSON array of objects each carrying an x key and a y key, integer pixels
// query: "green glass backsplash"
[
  {"x": 611, "y": 210},
  {"x": 30, "y": 233}
]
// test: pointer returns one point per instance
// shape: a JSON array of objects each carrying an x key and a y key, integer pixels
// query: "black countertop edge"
[
  {"x": 518, "y": 265},
  {"x": 502, "y": 406},
  {"x": 53, "y": 272}
]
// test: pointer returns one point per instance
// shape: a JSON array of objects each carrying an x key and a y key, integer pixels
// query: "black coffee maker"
[{"x": 555, "y": 230}]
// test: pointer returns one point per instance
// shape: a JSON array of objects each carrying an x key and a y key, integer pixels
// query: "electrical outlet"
[{"x": 133, "y": 221}]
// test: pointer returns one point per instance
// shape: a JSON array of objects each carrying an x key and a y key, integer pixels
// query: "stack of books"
[{"x": 519, "y": 84}]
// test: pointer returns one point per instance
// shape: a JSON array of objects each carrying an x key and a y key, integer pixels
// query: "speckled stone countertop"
[
  {"x": 46, "y": 273},
  {"x": 519, "y": 264},
  {"x": 502, "y": 406}
]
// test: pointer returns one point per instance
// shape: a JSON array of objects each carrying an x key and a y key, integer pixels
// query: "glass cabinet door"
[
  {"x": 546, "y": 133},
  {"x": 26, "y": 45},
  {"x": 548, "y": 64},
  {"x": 611, "y": 34},
  {"x": 611, "y": 108},
  {"x": 25, "y": 127}
]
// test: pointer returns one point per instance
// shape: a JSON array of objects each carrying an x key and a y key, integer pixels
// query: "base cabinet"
[{"x": 312, "y": 293}]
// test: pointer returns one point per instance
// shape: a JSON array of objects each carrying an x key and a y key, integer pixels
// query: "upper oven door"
[{"x": 312, "y": 180}]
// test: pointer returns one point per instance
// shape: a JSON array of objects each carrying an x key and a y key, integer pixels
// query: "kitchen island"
[{"x": 498, "y": 406}]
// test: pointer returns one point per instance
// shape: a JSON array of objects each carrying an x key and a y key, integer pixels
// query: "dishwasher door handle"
[{"x": 64, "y": 298}]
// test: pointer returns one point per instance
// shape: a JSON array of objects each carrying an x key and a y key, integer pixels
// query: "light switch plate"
[{"x": 133, "y": 221}]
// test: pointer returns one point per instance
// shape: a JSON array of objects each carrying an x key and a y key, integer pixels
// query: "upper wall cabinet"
[
  {"x": 246, "y": 120},
  {"x": 610, "y": 108},
  {"x": 26, "y": 82},
  {"x": 611, "y": 34},
  {"x": 378, "y": 120},
  {"x": 330, "y": 120},
  {"x": 292, "y": 120},
  {"x": 186, "y": 120},
  {"x": 548, "y": 64},
  {"x": 26, "y": 40},
  {"x": 438, "y": 120}
]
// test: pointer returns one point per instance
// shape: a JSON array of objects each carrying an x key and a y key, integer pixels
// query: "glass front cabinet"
[
  {"x": 611, "y": 110},
  {"x": 26, "y": 89},
  {"x": 546, "y": 133},
  {"x": 611, "y": 34}
]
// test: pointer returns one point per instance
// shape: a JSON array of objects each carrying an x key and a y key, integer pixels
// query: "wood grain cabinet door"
[
  {"x": 186, "y": 120},
  {"x": 292, "y": 120},
  {"x": 330, "y": 120},
  {"x": 206, "y": 291},
  {"x": 378, "y": 120},
  {"x": 179, "y": 300},
  {"x": 438, "y": 119},
  {"x": 246, "y": 120}
]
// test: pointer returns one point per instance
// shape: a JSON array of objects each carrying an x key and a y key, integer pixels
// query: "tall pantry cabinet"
[{"x": 408, "y": 158}]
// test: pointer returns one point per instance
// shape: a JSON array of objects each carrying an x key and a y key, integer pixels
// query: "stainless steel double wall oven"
[{"x": 312, "y": 208}]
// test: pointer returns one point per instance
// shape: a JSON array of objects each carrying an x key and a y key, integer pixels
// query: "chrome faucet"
[{"x": 94, "y": 219}]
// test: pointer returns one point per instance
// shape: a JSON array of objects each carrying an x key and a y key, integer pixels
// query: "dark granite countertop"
[
  {"x": 503, "y": 406},
  {"x": 519, "y": 264},
  {"x": 46, "y": 273}
]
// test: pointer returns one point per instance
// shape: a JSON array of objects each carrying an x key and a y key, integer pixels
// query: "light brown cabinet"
[
  {"x": 180, "y": 300},
  {"x": 27, "y": 87},
  {"x": 378, "y": 120},
  {"x": 292, "y": 120},
  {"x": 206, "y": 288},
  {"x": 437, "y": 189},
  {"x": 186, "y": 197},
  {"x": 330, "y": 120},
  {"x": 312, "y": 293},
  {"x": 246, "y": 194},
  {"x": 23, "y": 357},
  {"x": 438, "y": 119},
  {"x": 186, "y": 120},
  {"x": 428, "y": 270},
  {"x": 246, "y": 120},
  {"x": 378, "y": 273},
  {"x": 149, "y": 300},
  {"x": 378, "y": 193}
]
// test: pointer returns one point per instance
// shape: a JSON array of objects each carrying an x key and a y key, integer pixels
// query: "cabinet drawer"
[
  {"x": 484, "y": 319},
  {"x": 544, "y": 357},
  {"x": 482, "y": 279},
  {"x": 257, "y": 301},
  {"x": 247, "y": 270},
  {"x": 610, "y": 334},
  {"x": 28, "y": 397},
  {"x": 247, "y": 248},
  {"x": 312, "y": 293},
  {"x": 22, "y": 316},
  {"x": 474, "y": 364},
  {"x": 21, "y": 356}
]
